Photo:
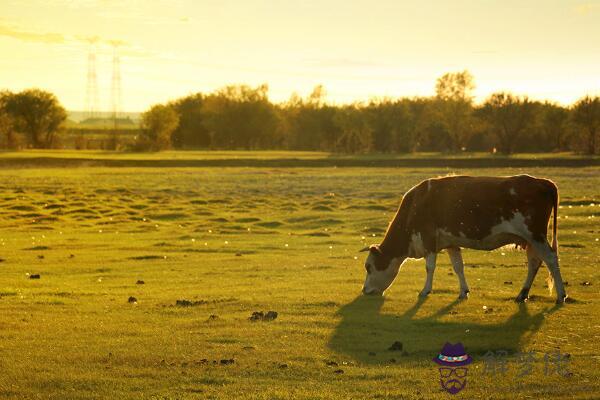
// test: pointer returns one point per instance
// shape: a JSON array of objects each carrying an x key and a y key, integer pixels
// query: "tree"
[
  {"x": 191, "y": 132},
  {"x": 6, "y": 131},
  {"x": 356, "y": 135},
  {"x": 455, "y": 86},
  {"x": 158, "y": 125},
  {"x": 317, "y": 96},
  {"x": 391, "y": 124},
  {"x": 508, "y": 116},
  {"x": 6, "y": 122},
  {"x": 310, "y": 122},
  {"x": 554, "y": 125},
  {"x": 37, "y": 114},
  {"x": 455, "y": 106},
  {"x": 241, "y": 117},
  {"x": 586, "y": 116}
]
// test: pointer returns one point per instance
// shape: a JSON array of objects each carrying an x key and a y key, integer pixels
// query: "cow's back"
[{"x": 468, "y": 206}]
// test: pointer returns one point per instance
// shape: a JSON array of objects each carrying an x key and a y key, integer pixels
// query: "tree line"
[
  {"x": 32, "y": 117},
  {"x": 243, "y": 117}
]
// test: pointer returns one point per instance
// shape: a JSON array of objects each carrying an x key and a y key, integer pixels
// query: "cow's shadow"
[{"x": 365, "y": 334}]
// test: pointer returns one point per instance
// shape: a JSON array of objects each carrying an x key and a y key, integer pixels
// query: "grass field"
[{"x": 232, "y": 241}]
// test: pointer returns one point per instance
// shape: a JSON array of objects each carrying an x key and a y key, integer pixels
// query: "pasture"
[{"x": 117, "y": 248}]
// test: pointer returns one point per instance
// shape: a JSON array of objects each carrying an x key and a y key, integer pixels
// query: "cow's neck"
[{"x": 395, "y": 241}]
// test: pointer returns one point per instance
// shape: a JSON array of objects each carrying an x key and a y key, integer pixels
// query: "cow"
[{"x": 483, "y": 213}]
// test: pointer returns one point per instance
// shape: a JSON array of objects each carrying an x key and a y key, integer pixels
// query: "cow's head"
[{"x": 381, "y": 270}]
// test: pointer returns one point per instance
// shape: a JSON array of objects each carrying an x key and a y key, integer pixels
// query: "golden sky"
[{"x": 357, "y": 49}]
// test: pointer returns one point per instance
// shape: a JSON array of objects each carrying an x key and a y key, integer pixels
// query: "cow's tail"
[
  {"x": 554, "y": 194},
  {"x": 550, "y": 283}
]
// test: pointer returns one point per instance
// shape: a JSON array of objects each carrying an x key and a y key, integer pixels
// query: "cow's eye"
[{"x": 368, "y": 268}]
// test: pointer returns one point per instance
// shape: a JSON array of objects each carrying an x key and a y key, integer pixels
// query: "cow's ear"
[{"x": 373, "y": 247}]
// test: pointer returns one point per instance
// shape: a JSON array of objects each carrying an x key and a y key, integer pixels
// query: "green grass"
[{"x": 239, "y": 240}]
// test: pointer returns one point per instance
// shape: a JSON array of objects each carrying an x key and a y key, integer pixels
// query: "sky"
[{"x": 357, "y": 49}]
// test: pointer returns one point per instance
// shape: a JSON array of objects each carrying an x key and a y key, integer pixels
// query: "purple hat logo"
[{"x": 453, "y": 372}]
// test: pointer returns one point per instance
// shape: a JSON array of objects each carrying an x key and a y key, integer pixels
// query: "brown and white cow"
[{"x": 482, "y": 213}]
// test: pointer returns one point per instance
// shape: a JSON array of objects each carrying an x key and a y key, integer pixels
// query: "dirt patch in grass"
[
  {"x": 35, "y": 248},
  {"x": 148, "y": 257},
  {"x": 322, "y": 208},
  {"x": 168, "y": 216},
  {"x": 22, "y": 208},
  {"x": 246, "y": 220},
  {"x": 269, "y": 224}
]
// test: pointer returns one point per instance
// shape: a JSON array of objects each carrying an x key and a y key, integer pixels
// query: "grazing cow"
[{"x": 482, "y": 213}]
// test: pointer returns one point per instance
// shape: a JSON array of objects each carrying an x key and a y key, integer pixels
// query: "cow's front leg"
[
  {"x": 430, "y": 267},
  {"x": 459, "y": 269}
]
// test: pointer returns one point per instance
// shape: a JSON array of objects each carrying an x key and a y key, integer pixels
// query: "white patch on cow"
[
  {"x": 503, "y": 233},
  {"x": 516, "y": 225},
  {"x": 513, "y": 191},
  {"x": 416, "y": 248}
]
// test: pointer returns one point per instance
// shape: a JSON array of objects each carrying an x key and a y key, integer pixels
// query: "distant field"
[
  {"x": 164, "y": 155},
  {"x": 271, "y": 154},
  {"x": 233, "y": 241},
  {"x": 285, "y": 159}
]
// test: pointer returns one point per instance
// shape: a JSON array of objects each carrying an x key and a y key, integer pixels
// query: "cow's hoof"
[
  {"x": 523, "y": 296},
  {"x": 424, "y": 293},
  {"x": 521, "y": 299},
  {"x": 561, "y": 300},
  {"x": 464, "y": 295}
]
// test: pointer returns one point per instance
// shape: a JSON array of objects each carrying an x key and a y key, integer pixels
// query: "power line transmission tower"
[
  {"x": 91, "y": 95},
  {"x": 116, "y": 84},
  {"x": 116, "y": 95}
]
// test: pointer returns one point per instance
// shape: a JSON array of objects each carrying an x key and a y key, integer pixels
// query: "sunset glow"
[{"x": 359, "y": 49}]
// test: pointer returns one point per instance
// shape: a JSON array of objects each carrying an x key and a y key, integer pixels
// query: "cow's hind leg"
[
  {"x": 459, "y": 268},
  {"x": 550, "y": 258},
  {"x": 533, "y": 265},
  {"x": 430, "y": 267}
]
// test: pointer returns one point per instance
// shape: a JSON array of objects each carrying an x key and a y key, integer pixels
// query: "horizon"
[{"x": 355, "y": 51}]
